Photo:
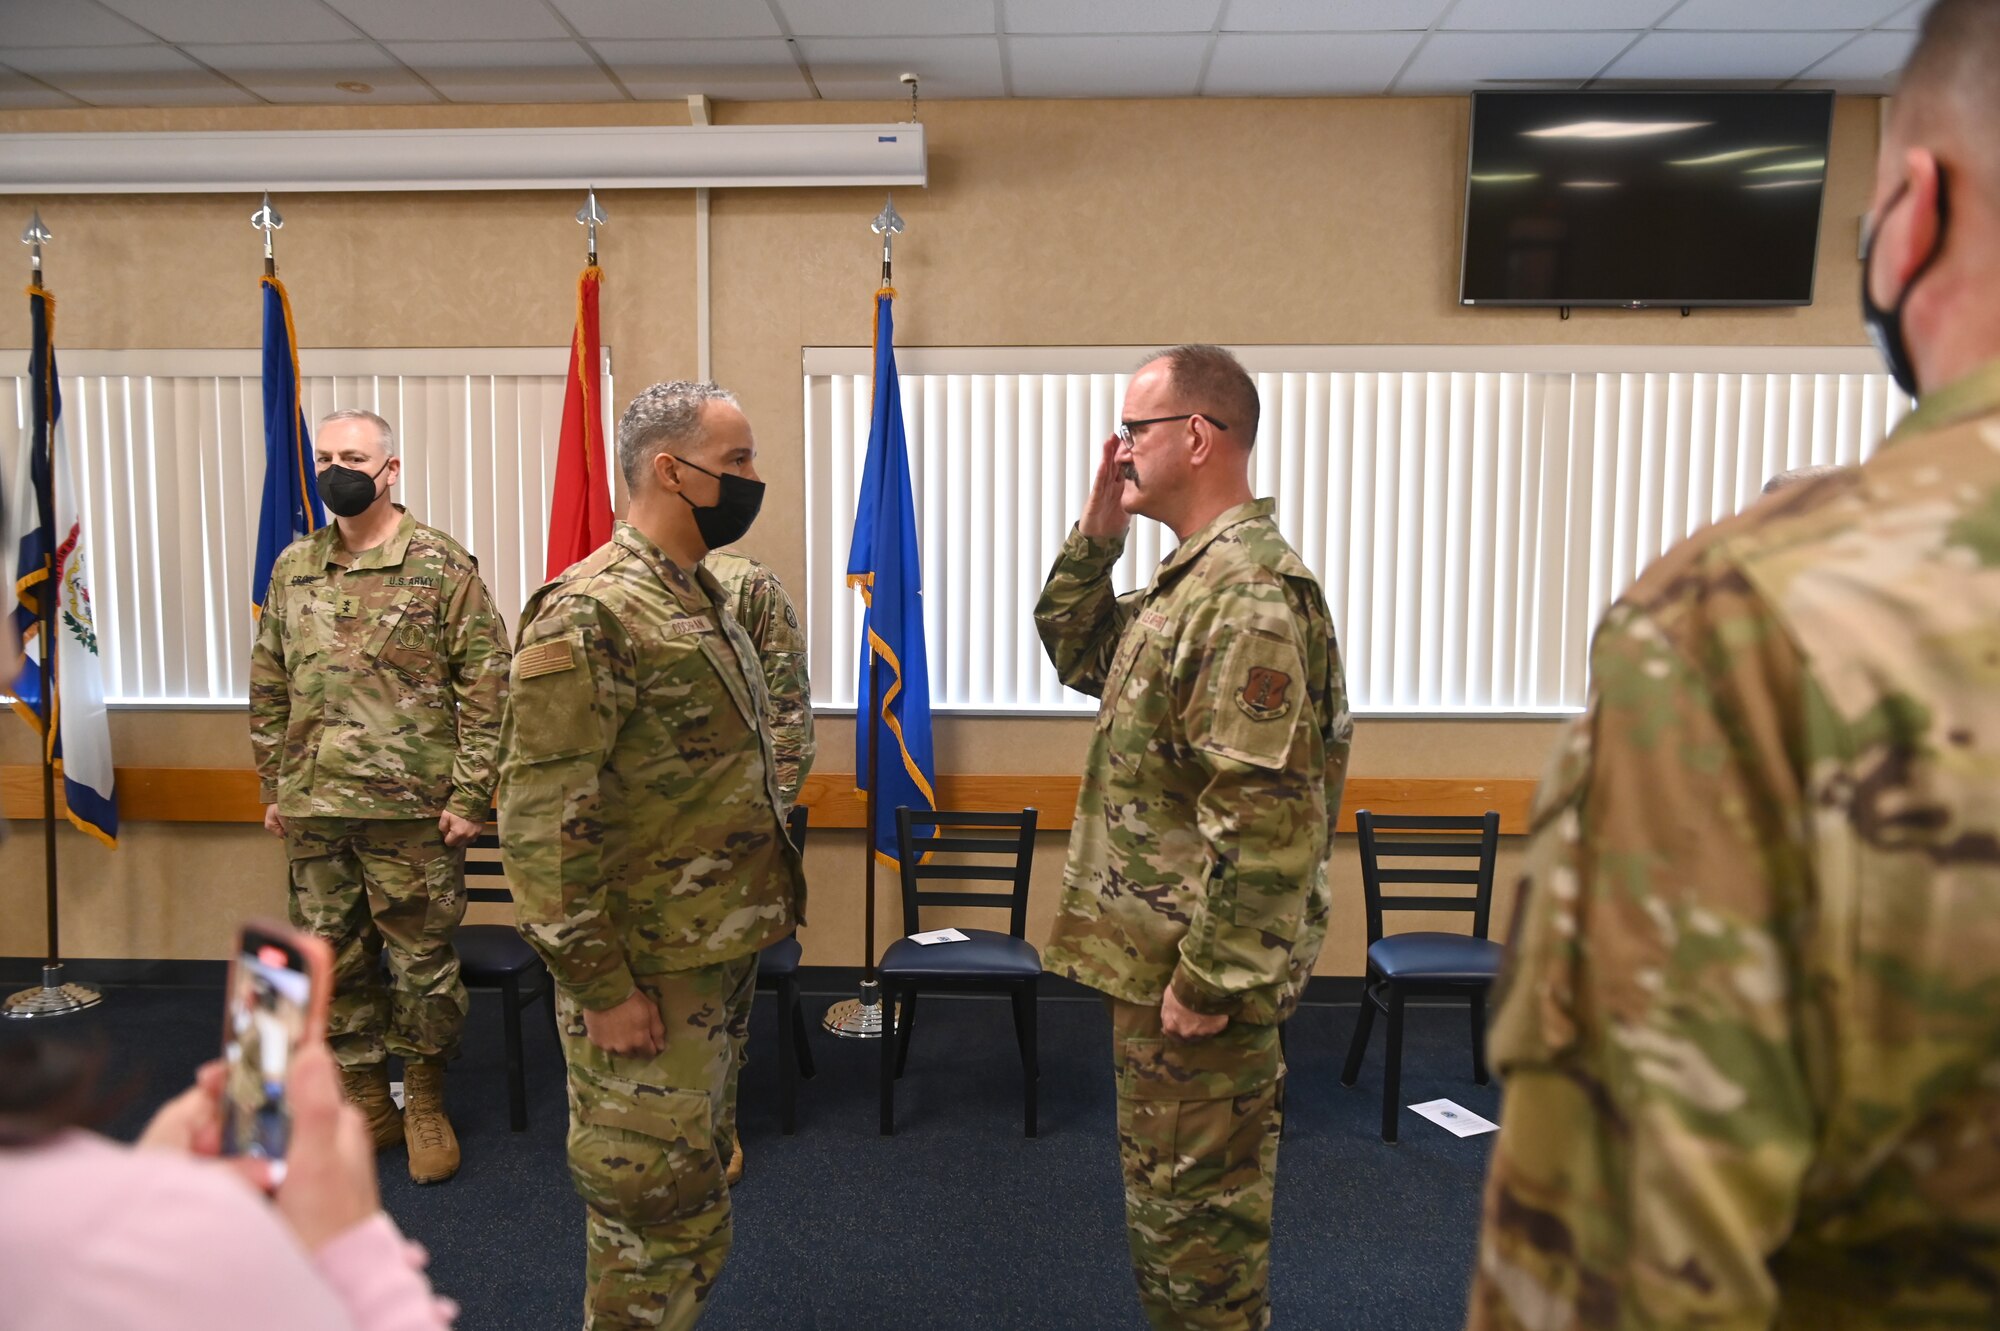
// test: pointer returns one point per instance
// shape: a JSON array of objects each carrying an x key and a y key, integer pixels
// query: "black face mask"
[
  {"x": 1885, "y": 327},
  {"x": 724, "y": 521},
  {"x": 347, "y": 490}
]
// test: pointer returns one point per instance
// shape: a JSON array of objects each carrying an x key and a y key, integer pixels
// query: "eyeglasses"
[{"x": 1126, "y": 429}]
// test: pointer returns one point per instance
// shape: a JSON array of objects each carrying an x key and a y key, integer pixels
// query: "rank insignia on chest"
[
  {"x": 347, "y": 607},
  {"x": 544, "y": 658},
  {"x": 1262, "y": 696}
]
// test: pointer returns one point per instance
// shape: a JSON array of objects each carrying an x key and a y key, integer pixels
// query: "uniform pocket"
[
  {"x": 1194, "y": 1114},
  {"x": 644, "y": 1155}
]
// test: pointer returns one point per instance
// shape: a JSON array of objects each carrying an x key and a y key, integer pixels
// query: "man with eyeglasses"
[{"x": 1195, "y": 898}]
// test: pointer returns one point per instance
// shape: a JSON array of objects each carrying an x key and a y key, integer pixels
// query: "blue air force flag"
[
  {"x": 882, "y": 562},
  {"x": 291, "y": 492},
  {"x": 53, "y": 562}
]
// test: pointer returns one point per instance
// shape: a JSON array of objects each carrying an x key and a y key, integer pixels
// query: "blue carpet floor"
[{"x": 955, "y": 1222}]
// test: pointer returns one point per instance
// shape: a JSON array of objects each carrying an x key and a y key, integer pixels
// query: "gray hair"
[
  {"x": 1785, "y": 480},
  {"x": 383, "y": 430},
  {"x": 666, "y": 417}
]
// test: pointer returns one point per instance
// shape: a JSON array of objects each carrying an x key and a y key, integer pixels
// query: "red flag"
[{"x": 580, "y": 512}]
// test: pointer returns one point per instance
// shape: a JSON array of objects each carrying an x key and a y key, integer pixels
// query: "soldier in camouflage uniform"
[
  {"x": 640, "y": 820},
  {"x": 1749, "y": 1026},
  {"x": 375, "y": 687},
  {"x": 755, "y": 598},
  {"x": 1196, "y": 895}
]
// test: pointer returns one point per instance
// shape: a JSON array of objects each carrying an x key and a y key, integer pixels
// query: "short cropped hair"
[
  {"x": 1950, "y": 86},
  {"x": 664, "y": 418},
  {"x": 383, "y": 430},
  {"x": 1209, "y": 380}
]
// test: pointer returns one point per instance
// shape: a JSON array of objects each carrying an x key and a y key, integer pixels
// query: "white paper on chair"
[
  {"x": 1455, "y": 1118},
  {"x": 939, "y": 936}
]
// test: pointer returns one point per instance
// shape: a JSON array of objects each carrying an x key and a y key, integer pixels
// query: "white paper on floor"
[
  {"x": 396, "y": 1093},
  {"x": 1455, "y": 1118}
]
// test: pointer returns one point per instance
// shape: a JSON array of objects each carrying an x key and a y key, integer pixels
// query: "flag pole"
[
  {"x": 55, "y": 997},
  {"x": 268, "y": 220},
  {"x": 861, "y": 1019}
]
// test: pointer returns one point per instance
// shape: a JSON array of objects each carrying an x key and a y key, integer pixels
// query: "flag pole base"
[
  {"x": 53, "y": 999},
  {"x": 857, "y": 1018}
]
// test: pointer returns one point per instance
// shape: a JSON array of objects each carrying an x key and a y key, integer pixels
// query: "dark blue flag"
[
  {"x": 883, "y": 563},
  {"x": 291, "y": 496}
]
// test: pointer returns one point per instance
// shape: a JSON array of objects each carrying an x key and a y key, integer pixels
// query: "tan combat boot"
[
  {"x": 732, "y": 1173},
  {"x": 367, "y": 1089},
  {"x": 433, "y": 1145}
]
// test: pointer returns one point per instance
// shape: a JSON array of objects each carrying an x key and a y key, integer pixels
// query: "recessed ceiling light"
[{"x": 354, "y": 86}]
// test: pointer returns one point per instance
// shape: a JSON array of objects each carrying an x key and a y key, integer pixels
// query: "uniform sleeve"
[
  {"x": 572, "y": 687},
  {"x": 479, "y": 658},
  {"x": 773, "y": 625},
  {"x": 1079, "y": 616},
  {"x": 1242, "y": 684},
  {"x": 1658, "y": 1118},
  {"x": 270, "y": 692}
]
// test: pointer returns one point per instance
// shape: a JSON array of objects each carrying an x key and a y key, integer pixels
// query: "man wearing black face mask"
[
  {"x": 1748, "y": 1025},
  {"x": 375, "y": 687},
  {"x": 640, "y": 815}
]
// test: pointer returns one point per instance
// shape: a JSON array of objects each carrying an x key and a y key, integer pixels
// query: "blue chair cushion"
[
  {"x": 492, "y": 950},
  {"x": 780, "y": 958},
  {"x": 1447, "y": 958},
  {"x": 983, "y": 953}
]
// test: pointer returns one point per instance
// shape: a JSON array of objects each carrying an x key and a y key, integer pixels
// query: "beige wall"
[{"x": 1051, "y": 223}]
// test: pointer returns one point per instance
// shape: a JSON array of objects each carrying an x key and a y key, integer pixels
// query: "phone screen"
[{"x": 270, "y": 996}]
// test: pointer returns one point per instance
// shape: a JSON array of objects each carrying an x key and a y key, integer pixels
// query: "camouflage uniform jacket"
[
  {"x": 1751, "y": 1020},
  {"x": 376, "y": 679},
  {"x": 638, "y": 804},
  {"x": 1198, "y": 855},
  {"x": 756, "y": 599}
]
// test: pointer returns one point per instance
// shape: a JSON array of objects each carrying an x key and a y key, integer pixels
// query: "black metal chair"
[
  {"x": 1424, "y": 963},
  {"x": 778, "y": 971},
  {"x": 989, "y": 962},
  {"x": 495, "y": 956}
]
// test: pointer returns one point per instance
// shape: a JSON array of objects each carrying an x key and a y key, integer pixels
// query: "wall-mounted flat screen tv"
[{"x": 1644, "y": 198}]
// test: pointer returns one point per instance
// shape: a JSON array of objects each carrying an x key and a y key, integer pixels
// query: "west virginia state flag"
[
  {"x": 580, "y": 509},
  {"x": 291, "y": 494},
  {"x": 883, "y": 562},
  {"x": 53, "y": 562}
]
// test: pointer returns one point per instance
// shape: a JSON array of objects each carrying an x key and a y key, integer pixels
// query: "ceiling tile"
[
  {"x": 1555, "y": 15},
  {"x": 1723, "y": 55},
  {"x": 19, "y": 92},
  {"x": 1782, "y": 15},
  {"x": 1461, "y": 61},
  {"x": 669, "y": 20},
  {"x": 210, "y": 21},
  {"x": 70, "y": 23},
  {"x": 493, "y": 20},
  {"x": 1869, "y": 63},
  {"x": 887, "y": 18},
  {"x": 307, "y": 73},
  {"x": 1910, "y": 17},
  {"x": 509, "y": 71},
  {"x": 128, "y": 76},
  {"x": 1319, "y": 16},
  {"x": 1110, "y": 16},
  {"x": 1137, "y": 66},
  {"x": 866, "y": 69},
  {"x": 1306, "y": 65},
  {"x": 747, "y": 70}
]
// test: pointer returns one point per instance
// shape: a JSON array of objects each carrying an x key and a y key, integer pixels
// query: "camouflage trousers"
[
  {"x": 643, "y": 1149},
  {"x": 1198, "y": 1141},
  {"x": 370, "y": 885}
]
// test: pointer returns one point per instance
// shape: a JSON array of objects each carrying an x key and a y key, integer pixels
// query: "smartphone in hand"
[{"x": 279, "y": 984}]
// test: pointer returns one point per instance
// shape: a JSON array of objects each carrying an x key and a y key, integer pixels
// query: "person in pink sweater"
[{"x": 163, "y": 1236}]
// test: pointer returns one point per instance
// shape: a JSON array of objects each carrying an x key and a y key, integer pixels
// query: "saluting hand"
[
  {"x": 631, "y": 1029},
  {"x": 1104, "y": 514}
]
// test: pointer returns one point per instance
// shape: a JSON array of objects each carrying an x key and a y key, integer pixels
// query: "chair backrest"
[
  {"x": 1441, "y": 837},
  {"x": 1006, "y": 839},
  {"x": 482, "y": 860}
]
